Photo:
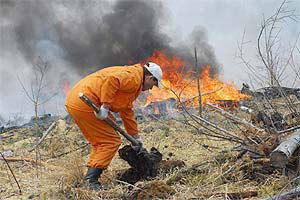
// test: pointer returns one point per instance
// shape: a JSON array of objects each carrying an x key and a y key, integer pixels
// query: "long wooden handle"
[{"x": 113, "y": 124}]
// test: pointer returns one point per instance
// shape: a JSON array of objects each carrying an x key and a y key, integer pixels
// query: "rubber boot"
[{"x": 92, "y": 177}]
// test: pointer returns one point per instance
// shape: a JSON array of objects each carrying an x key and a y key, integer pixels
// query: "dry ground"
[{"x": 51, "y": 175}]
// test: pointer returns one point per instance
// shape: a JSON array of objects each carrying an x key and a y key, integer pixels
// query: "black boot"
[{"x": 92, "y": 177}]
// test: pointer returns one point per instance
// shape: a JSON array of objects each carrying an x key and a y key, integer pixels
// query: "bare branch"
[{"x": 20, "y": 191}]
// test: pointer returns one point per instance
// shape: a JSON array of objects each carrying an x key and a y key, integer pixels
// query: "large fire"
[{"x": 184, "y": 83}]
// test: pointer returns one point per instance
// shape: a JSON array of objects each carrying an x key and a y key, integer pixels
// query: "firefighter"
[{"x": 112, "y": 89}]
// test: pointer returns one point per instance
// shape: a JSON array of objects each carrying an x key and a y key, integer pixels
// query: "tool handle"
[{"x": 90, "y": 103}]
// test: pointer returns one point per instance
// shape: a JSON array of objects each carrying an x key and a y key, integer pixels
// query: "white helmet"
[{"x": 155, "y": 70}]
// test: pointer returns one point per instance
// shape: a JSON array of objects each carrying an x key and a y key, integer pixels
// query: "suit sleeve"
[{"x": 129, "y": 121}]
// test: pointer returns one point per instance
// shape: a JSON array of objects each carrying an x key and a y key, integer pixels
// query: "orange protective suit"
[{"x": 119, "y": 86}]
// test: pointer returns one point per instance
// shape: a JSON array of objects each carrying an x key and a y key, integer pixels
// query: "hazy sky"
[
  {"x": 222, "y": 23},
  {"x": 225, "y": 22}
]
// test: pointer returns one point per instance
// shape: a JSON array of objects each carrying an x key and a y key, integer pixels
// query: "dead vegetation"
[
  {"x": 220, "y": 154},
  {"x": 194, "y": 165}
]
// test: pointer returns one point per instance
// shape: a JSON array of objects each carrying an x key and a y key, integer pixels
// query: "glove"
[
  {"x": 140, "y": 146},
  {"x": 103, "y": 113}
]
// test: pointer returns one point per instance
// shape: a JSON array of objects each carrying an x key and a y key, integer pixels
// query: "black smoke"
[
  {"x": 205, "y": 52},
  {"x": 92, "y": 34}
]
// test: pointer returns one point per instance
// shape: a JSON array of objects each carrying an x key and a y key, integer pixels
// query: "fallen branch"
[
  {"x": 262, "y": 161},
  {"x": 43, "y": 138},
  {"x": 217, "y": 127},
  {"x": 65, "y": 153},
  {"x": 37, "y": 162},
  {"x": 231, "y": 136},
  {"x": 289, "y": 129},
  {"x": 3, "y": 158},
  {"x": 284, "y": 104},
  {"x": 292, "y": 194},
  {"x": 279, "y": 157},
  {"x": 234, "y": 195},
  {"x": 234, "y": 118},
  {"x": 6, "y": 136}
]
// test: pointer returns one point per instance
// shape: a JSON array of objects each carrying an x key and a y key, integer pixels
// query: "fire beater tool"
[{"x": 90, "y": 103}]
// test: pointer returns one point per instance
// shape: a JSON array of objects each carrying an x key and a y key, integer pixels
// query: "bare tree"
[
  {"x": 35, "y": 90},
  {"x": 273, "y": 65},
  {"x": 268, "y": 43},
  {"x": 276, "y": 61}
]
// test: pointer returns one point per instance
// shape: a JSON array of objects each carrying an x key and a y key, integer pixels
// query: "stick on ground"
[
  {"x": 3, "y": 158},
  {"x": 43, "y": 138}
]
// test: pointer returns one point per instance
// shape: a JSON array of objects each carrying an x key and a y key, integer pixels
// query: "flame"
[
  {"x": 183, "y": 82},
  {"x": 66, "y": 87}
]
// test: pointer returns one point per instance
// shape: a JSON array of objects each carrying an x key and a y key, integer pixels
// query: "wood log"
[{"x": 279, "y": 157}]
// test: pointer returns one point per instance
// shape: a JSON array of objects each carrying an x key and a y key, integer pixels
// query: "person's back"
[{"x": 95, "y": 86}]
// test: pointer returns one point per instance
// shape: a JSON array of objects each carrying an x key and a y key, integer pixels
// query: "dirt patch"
[{"x": 153, "y": 190}]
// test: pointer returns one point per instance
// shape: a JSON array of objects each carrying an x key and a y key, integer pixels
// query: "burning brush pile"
[{"x": 229, "y": 145}]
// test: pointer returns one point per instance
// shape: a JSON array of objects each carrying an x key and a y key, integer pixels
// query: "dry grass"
[{"x": 52, "y": 177}]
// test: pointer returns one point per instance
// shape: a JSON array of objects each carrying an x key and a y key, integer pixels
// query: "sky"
[
  {"x": 78, "y": 37},
  {"x": 225, "y": 22}
]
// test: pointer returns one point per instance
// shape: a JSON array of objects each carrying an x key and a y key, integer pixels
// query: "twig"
[
  {"x": 6, "y": 136},
  {"x": 233, "y": 167},
  {"x": 202, "y": 95},
  {"x": 284, "y": 104},
  {"x": 65, "y": 153},
  {"x": 216, "y": 127},
  {"x": 234, "y": 138},
  {"x": 294, "y": 179},
  {"x": 212, "y": 135},
  {"x": 234, "y": 118},
  {"x": 43, "y": 138},
  {"x": 20, "y": 191},
  {"x": 125, "y": 183},
  {"x": 13, "y": 159},
  {"x": 289, "y": 129},
  {"x": 292, "y": 194},
  {"x": 234, "y": 195}
]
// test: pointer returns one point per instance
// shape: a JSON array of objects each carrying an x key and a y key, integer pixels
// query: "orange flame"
[{"x": 183, "y": 82}]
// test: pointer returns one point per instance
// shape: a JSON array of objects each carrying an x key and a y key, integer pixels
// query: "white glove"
[
  {"x": 140, "y": 145},
  {"x": 103, "y": 113}
]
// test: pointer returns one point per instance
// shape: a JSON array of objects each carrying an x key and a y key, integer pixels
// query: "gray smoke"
[
  {"x": 205, "y": 52},
  {"x": 92, "y": 34}
]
